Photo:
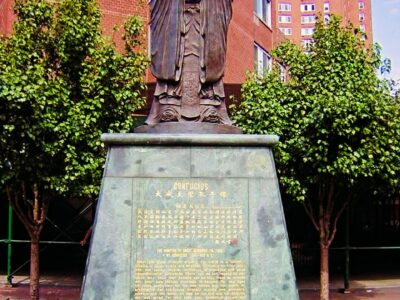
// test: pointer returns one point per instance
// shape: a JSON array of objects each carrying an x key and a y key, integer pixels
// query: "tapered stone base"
[{"x": 189, "y": 217}]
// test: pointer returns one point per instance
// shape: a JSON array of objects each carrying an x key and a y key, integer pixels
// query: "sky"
[{"x": 386, "y": 31}]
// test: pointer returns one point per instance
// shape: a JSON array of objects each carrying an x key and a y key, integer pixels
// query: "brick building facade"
[
  {"x": 251, "y": 25},
  {"x": 248, "y": 28},
  {"x": 6, "y": 16},
  {"x": 256, "y": 27},
  {"x": 296, "y": 18}
]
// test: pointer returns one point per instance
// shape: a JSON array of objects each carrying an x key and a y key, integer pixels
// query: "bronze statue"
[{"x": 188, "y": 50}]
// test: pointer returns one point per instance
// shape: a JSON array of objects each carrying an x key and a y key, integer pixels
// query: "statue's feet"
[
  {"x": 215, "y": 114},
  {"x": 169, "y": 114},
  {"x": 210, "y": 115}
]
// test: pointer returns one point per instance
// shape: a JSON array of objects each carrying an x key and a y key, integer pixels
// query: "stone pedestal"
[{"x": 184, "y": 216}]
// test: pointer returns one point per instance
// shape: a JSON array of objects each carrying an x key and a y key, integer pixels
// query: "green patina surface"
[{"x": 190, "y": 221}]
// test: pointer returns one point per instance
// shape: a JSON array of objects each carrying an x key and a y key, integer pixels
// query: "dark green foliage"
[
  {"x": 339, "y": 127},
  {"x": 337, "y": 121},
  {"x": 61, "y": 86}
]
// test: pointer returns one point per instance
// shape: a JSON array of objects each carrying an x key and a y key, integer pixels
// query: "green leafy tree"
[
  {"x": 61, "y": 86},
  {"x": 338, "y": 123}
]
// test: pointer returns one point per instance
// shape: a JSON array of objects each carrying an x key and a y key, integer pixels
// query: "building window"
[
  {"x": 307, "y": 31},
  {"x": 307, "y": 43},
  {"x": 362, "y": 27},
  {"x": 326, "y": 7},
  {"x": 282, "y": 72},
  {"x": 285, "y": 7},
  {"x": 308, "y": 19},
  {"x": 327, "y": 18},
  {"x": 361, "y": 5},
  {"x": 285, "y": 19},
  {"x": 307, "y": 7},
  {"x": 286, "y": 30},
  {"x": 361, "y": 16},
  {"x": 262, "y": 60},
  {"x": 149, "y": 41},
  {"x": 263, "y": 10}
]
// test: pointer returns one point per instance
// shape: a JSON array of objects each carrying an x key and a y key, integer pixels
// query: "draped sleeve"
[
  {"x": 216, "y": 18},
  {"x": 165, "y": 29}
]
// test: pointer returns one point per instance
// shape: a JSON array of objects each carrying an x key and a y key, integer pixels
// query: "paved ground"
[
  {"x": 46, "y": 293},
  {"x": 52, "y": 287},
  {"x": 70, "y": 293},
  {"x": 362, "y": 287},
  {"x": 368, "y": 294},
  {"x": 63, "y": 287}
]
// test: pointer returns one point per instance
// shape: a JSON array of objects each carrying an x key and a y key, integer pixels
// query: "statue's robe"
[{"x": 167, "y": 27}]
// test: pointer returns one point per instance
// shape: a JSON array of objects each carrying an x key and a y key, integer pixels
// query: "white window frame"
[
  {"x": 307, "y": 31},
  {"x": 282, "y": 72},
  {"x": 309, "y": 7},
  {"x": 285, "y": 19},
  {"x": 262, "y": 9},
  {"x": 308, "y": 19},
  {"x": 284, "y": 7},
  {"x": 361, "y": 16},
  {"x": 326, "y": 7},
  {"x": 307, "y": 43},
  {"x": 361, "y": 5},
  {"x": 149, "y": 41},
  {"x": 262, "y": 60},
  {"x": 286, "y": 30}
]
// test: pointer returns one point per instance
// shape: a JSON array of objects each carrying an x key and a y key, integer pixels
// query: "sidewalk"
[
  {"x": 52, "y": 287},
  {"x": 357, "y": 282},
  {"x": 370, "y": 294},
  {"x": 67, "y": 287},
  {"x": 362, "y": 287}
]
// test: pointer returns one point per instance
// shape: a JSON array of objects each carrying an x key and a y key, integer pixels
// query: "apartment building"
[{"x": 296, "y": 18}]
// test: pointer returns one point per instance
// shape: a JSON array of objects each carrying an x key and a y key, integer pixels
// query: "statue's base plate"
[{"x": 196, "y": 128}]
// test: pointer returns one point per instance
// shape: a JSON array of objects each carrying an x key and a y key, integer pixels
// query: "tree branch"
[
  {"x": 331, "y": 202},
  {"x": 329, "y": 208},
  {"x": 334, "y": 225},
  {"x": 322, "y": 233},
  {"x": 27, "y": 211},
  {"x": 14, "y": 202},
  {"x": 309, "y": 211},
  {"x": 35, "y": 203},
  {"x": 43, "y": 210}
]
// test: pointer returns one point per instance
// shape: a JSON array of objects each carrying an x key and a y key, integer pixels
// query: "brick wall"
[
  {"x": 244, "y": 31},
  {"x": 6, "y": 16},
  {"x": 114, "y": 13}
]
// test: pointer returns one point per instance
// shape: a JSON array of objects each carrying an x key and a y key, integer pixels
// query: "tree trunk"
[
  {"x": 325, "y": 220},
  {"x": 324, "y": 271},
  {"x": 35, "y": 275},
  {"x": 32, "y": 214}
]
